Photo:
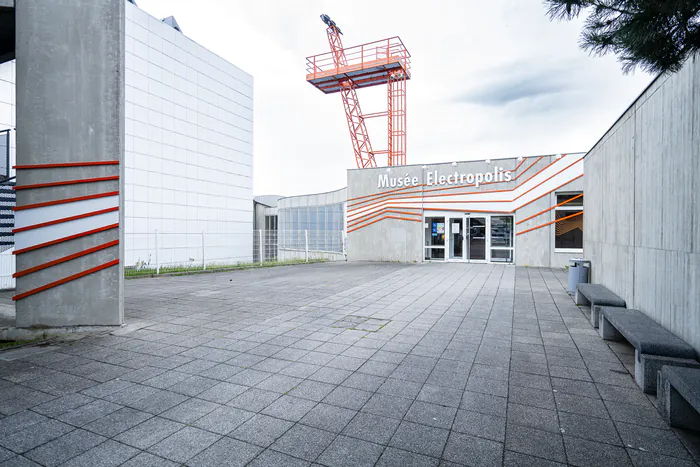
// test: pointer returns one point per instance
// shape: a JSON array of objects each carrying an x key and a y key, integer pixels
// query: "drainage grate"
[{"x": 361, "y": 323}]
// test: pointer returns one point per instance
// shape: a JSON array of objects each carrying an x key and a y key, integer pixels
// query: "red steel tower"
[{"x": 346, "y": 70}]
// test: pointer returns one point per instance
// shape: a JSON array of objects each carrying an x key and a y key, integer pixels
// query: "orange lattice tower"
[{"x": 346, "y": 70}]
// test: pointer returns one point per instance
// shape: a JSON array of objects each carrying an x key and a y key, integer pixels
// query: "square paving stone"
[
  {"x": 530, "y": 381},
  {"x": 261, "y": 430},
  {"x": 63, "y": 404},
  {"x": 330, "y": 375},
  {"x": 279, "y": 383},
  {"x": 440, "y": 395},
  {"x": 592, "y": 428},
  {"x": 185, "y": 444},
  {"x": 393, "y": 457},
  {"x": 431, "y": 414},
  {"x": 193, "y": 385},
  {"x": 484, "y": 403},
  {"x": 223, "y": 420},
  {"x": 400, "y": 388},
  {"x": 447, "y": 379},
  {"x": 35, "y": 435},
  {"x": 477, "y": 451},
  {"x": 364, "y": 381},
  {"x": 149, "y": 432},
  {"x": 109, "y": 453},
  {"x": 312, "y": 390},
  {"x": 146, "y": 459},
  {"x": 166, "y": 380},
  {"x": 387, "y": 406},
  {"x": 272, "y": 458},
  {"x": 226, "y": 451},
  {"x": 541, "y": 398},
  {"x": 349, "y": 398},
  {"x": 581, "y": 405},
  {"x": 491, "y": 387},
  {"x": 300, "y": 370},
  {"x": 635, "y": 414},
  {"x": 478, "y": 424},
  {"x": 534, "y": 417},
  {"x": 190, "y": 410},
  {"x": 222, "y": 393},
  {"x": 254, "y": 400},
  {"x": 419, "y": 438},
  {"x": 328, "y": 417},
  {"x": 576, "y": 388},
  {"x": 516, "y": 459},
  {"x": 64, "y": 448},
  {"x": 649, "y": 439},
  {"x": 289, "y": 408},
  {"x": 117, "y": 422},
  {"x": 249, "y": 377},
  {"x": 159, "y": 402},
  {"x": 350, "y": 452},
  {"x": 88, "y": 413},
  {"x": 536, "y": 443},
  {"x": 372, "y": 428},
  {"x": 651, "y": 459},
  {"x": 221, "y": 372},
  {"x": 592, "y": 454},
  {"x": 304, "y": 442}
]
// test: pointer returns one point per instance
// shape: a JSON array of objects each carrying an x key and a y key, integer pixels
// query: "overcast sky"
[{"x": 489, "y": 79}]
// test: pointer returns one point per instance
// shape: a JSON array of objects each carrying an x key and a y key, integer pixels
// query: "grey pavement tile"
[
  {"x": 167, "y": 379},
  {"x": 304, "y": 442},
  {"x": 648, "y": 439},
  {"x": 62, "y": 404},
  {"x": 272, "y": 458},
  {"x": 64, "y": 448},
  {"x": 491, "y": 387},
  {"x": 516, "y": 459},
  {"x": 261, "y": 430},
  {"x": 400, "y": 388},
  {"x": 313, "y": 390},
  {"x": 272, "y": 365},
  {"x": 529, "y": 380},
  {"x": 246, "y": 360},
  {"x": 349, "y": 398},
  {"x": 59, "y": 384},
  {"x": 89, "y": 412},
  {"x": 107, "y": 388},
  {"x": 117, "y": 422},
  {"x": 289, "y": 408},
  {"x": 159, "y": 402},
  {"x": 5, "y": 454},
  {"x": 592, "y": 428},
  {"x": 110, "y": 453},
  {"x": 316, "y": 358},
  {"x": 196, "y": 366},
  {"x": 142, "y": 374},
  {"x": 190, "y": 411},
  {"x": 541, "y": 398},
  {"x": 440, "y": 395},
  {"x": 431, "y": 414},
  {"x": 222, "y": 393},
  {"x": 330, "y": 375},
  {"x": 350, "y": 452},
  {"x": 569, "y": 373},
  {"x": 193, "y": 385},
  {"x": 447, "y": 379},
  {"x": 149, "y": 432},
  {"x": 620, "y": 394},
  {"x": 221, "y": 372},
  {"x": 476, "y": 451},
  {"x": 279, "y": 383},
  {"x": 300, "y": 370},
  {"x": 184, "y": 445},
  {"x": 482, "y": 425},
  {"x": 387, "y": 406},
  {"x": 146, "y": 459},
  {"x": 536, "y": 443},
  {"x": 20, "y": 421},
  {"x": 420, "y": 439},
  {"x": 388, "y": 357},
  {"x": 372, "y": 428},
  {"x": 226, "y": 451},
  {"x": 490, "y": 372},
  {"x": 26, "y": 400},
  {"x": 346, "y": 363},
  {"x": 576, "y": 388},
  {"x": 650, "y": 459},
  {"x": 328, "y": 417},
  {"x": 364, "y": 381},
  {"x": 635, "y": 414},
  {"x": 586, "y": 453},
  {"x": 581, "y": 405},
  {"x": 534, "y": 417},
  {"x": 254, "y": 400},
  {"x": 393, "y": 457},
  {"x": 249, "y": 377},
  {"x": 223, "y": 420},
  {"x": 18, "y": 461},
  {"x": 130, "y": 394},
  {"x": 484, "y": 403},
  {"x": 26, "y": 438}
]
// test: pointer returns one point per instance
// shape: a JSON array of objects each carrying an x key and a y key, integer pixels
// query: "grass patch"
[
  {"x": 182, "y": 270},
  {"x": 8, "y": 344}
]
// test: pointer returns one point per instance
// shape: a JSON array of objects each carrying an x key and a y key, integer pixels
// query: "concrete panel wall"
[
  {"x": 7, "y": 106},
  {"x": 643, "y": 207},
  {"x": 70, "y": 109}
]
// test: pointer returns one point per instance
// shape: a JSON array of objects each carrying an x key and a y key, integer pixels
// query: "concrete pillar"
[{"x": 70, "y": 148}]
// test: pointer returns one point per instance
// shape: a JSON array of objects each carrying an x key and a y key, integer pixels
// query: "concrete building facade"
[{"x": 643, "y": 206}]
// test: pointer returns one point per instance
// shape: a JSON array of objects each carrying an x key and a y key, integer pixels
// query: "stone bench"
[
  {"x": 678, "y": 396},
  {"x": 654, "y": 345},
  {"x": 596, "y": 296}
]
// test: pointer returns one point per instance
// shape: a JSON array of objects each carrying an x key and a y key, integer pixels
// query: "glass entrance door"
[
  {"x": 456, "y": 232},
  {"x": 476, "y": 245}
]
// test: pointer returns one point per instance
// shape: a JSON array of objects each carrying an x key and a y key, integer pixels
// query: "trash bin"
[{"x": 578, "y": 272}]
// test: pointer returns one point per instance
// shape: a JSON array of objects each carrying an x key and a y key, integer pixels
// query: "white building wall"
[{"x": 189, "y": 148}]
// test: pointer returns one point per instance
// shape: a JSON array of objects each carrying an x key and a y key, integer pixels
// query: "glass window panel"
[
  {"x": 434, "y": 253},
  {"x": 568, "y": 232},
  {"x": 502, "y": 256},
  {"x": 435, "y": 231},
  {"x": 578, "y": 202},
  {"x": 502, "y": 231}
]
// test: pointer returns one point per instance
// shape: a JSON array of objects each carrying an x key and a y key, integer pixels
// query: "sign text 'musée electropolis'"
[{"x": 456, "y": 178}]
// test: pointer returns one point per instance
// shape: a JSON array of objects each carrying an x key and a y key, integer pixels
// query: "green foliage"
[{"x": 655, "y": 35}]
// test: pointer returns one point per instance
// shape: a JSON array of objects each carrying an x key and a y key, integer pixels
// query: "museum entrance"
[{"x": 474, "y": 238}]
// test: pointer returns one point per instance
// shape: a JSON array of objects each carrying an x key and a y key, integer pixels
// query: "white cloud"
[{"x": 489, "y": 79}]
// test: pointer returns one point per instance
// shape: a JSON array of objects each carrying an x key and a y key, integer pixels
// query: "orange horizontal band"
[
  {"x": 381, "y": 219},
  {"x": 65, "y": 239},
  {"x": 65, "y": 219},
  {"x": 66, "y": 182},
  {"x": 63, "y": 201},
  {"x": 65, "y": 164},
  {"x": 65, "y": 258},
  {"x": 548, "y": 209},
  {"x": 65, "y": 279},
  {"x": 364, "y": 217},
  {"x": 548, "y": 223}
]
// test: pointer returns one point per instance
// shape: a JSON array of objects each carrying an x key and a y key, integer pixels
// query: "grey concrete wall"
[
  {"x": 70, "y": 108},
  {"x": 643, "y": 206}
]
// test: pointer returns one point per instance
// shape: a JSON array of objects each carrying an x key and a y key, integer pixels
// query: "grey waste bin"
[{"x": 578, "y": 272}]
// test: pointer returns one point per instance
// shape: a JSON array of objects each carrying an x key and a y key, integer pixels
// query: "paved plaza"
[{"x": 338, "y": 364}]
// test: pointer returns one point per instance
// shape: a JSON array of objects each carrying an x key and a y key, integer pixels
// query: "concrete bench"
[
  {"x": 654, "y": 345},
  {"x": 596, "y": 296},
  {"x": 678, "y": 396}
]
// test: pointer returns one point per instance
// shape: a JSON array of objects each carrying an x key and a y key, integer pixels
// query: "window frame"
[{"x": 570, "y": 209}]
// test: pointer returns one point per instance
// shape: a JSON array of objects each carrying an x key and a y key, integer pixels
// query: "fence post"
[
  {"x": 306, "y": 237},
  {"x": 260, "y": 246},
  {"x": 204, "y": 261},
  {"x": 157, "y": 258}
]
